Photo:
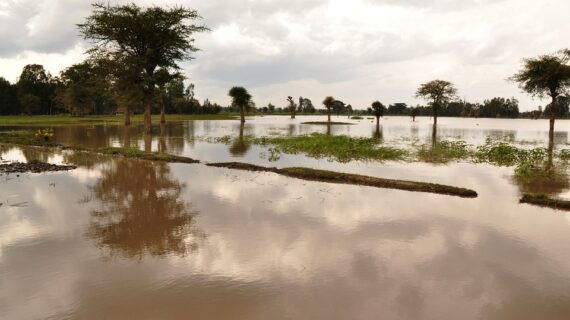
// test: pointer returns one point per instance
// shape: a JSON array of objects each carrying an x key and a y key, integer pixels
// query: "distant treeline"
[{"x": 83, "y": 89}]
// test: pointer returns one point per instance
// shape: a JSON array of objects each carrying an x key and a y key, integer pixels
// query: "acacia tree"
[
  {"x": 438, "y": 93},
  {"x": 329, "y": 104},
  {"x": 546, "y": 75},
  {"x": 145, "y": 39},
  {"x": 378, "y": 111},
  {"x": 292, "y": 106},
  {"x": 241, "y": 99}
]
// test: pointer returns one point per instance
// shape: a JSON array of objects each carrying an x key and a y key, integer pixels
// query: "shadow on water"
[{"x": 142, "y": 211}]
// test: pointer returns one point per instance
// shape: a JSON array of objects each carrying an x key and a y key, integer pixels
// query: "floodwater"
[{"x": 129, "y": 239}]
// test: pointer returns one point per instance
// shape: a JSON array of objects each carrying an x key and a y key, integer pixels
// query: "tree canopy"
[{"x": 142, "y": 39}]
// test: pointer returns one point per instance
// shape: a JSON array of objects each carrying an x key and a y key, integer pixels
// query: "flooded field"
[{"x": 118, "y": 238}]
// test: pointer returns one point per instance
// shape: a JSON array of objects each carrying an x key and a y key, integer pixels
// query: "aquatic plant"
[
  {"x": 444, "y": 151},
  {"x": 334, "y": 148}
]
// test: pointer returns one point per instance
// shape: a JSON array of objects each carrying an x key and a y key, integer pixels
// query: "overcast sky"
[{"x": 355, "y": 50}]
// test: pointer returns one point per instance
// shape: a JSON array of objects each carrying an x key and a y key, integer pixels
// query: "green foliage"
[
  {"x": 356, "y": 118},
  {"x": 444, "y": 151},
  {"x": 44, "y": 134},
  {"x": 334, "y": 148},
  {"x": 546, "y": 75},
  {"x": 438, "y": 93},
  {"x": 503, "y": 154}
]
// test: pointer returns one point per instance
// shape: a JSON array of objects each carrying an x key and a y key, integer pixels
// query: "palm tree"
[
  {"x": 292, "y": 106},
  {"x": 241, "y": 99},
  {"x": 329, "y": 103},
  {"x": 378, "y": 111}
]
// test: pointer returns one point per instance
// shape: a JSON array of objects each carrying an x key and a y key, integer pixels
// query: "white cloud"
[{"x": 362, "y": 50}]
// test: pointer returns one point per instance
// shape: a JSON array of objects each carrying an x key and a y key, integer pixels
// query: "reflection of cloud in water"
[{"x": 276, "y": 250}]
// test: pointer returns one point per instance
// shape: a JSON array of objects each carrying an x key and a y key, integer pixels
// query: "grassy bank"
[
  {"x": 354, "y": 179},
  {"x": 139, "y": 154},
  {"x": 90, "y": 120}
]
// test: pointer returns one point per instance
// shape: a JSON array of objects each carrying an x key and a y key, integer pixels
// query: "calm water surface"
[{"x": 127, "y": 239}]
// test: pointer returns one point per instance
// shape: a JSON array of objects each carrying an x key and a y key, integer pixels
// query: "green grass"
[
  {"x": 139, "y": 154},
  {"x": 334, "y": 148},
  {"x": 25, "y": 137},
  {"x": 444, "y": 152},
  {"x": 90, "y": 120}
]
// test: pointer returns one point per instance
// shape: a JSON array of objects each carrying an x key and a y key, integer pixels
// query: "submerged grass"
[
  {"x": 444, "y": 152},
  {"x": 334, "y": 148}
]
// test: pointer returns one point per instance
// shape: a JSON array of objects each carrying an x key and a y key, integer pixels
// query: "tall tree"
[
  {"x": 438, "y": 93},
  {"x": 241, "y": 99},
  {"x": 8, "y": 98},
  {"x": 145, "y": 39},
  {"x": 329, "y": 104},
  {"x": 546, "y": 75},
  {"x": 35, "y": 90},
  {"x": 292, "y": 106}
]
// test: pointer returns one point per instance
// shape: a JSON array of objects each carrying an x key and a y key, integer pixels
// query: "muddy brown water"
[{"x": 129, "y": 239}]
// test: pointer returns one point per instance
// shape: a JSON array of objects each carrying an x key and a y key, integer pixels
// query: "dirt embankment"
[{"x": 354, "y": 179}]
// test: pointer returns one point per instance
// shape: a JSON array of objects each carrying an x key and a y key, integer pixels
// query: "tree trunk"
[
  {"x": 147, "y": 143},
  {"x": 293, "y": 112},
  {"x": 242, "y": 114},
  {"x": 147, "y": 116},
  {"x": 377, "y": 121},
  {"x": 162, "y": 118},
  {"x": 127, "y": 116},
  {"x": 553, "y": 112},
  {"x": 329, "y": 115}
]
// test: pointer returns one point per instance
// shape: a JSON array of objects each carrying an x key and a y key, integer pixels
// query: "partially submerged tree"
[
  {"x": 145, "y": 39},
  {"x": 292, "y": 106},
  {"x": 546, "y": 75},
  {"x": 378, "y": 111},
  {"x": 329, "y": 104},
  {"x": 438, "y": 93},
  {"x": 241, "y": 99},
  {"x": 413, "y": 113}
]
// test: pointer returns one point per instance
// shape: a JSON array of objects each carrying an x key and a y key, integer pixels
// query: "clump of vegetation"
[
  {"x": 139, "y": 154},
  {"x": 44, "y": 134},
  {"x": 28, "y": 137},
  {"x": 356, "y": 118},
  {"x": 335, "y": 148},
  {"x": 503, "y": 154},
  {"x": 444, "y": 151}
]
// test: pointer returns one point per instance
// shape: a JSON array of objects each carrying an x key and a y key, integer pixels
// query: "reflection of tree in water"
[
  {"x": 38, "y": 154},
  {"x": 378, "y": 133},
  {"x": 142, "y": 211},
  {"x": 239, "y": 146}
]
